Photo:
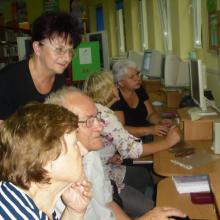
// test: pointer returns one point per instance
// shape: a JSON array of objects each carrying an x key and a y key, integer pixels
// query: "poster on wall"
[{"x": 51, "y": 5}]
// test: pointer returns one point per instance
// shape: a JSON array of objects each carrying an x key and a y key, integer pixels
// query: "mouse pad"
[{"x": 199, "y": 158}]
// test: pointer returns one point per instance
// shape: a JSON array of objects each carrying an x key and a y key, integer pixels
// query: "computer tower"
[{"x": 216, "y": 136}]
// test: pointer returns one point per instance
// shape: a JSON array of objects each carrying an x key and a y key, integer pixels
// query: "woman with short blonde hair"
[{"x": 100, "y": 88}]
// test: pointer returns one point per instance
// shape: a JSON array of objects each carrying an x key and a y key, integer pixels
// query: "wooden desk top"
[
  {"x": 215, "y": 185},
  {"x": 164, "y": 167},
  {"x": 168, "y": 196}
]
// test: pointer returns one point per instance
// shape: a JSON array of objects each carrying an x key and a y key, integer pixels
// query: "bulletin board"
[{"x": 86, "y": 60}]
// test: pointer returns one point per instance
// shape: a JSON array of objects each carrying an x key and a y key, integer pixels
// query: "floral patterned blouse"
[{"x": 116, "y": 138}]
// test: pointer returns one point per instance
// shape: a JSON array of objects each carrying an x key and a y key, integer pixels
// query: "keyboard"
[{"x": 196, "y": 113}]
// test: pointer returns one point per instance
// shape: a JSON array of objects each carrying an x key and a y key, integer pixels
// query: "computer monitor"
[
  {"x": 24, "y": 45},
  {"x": 175, "y": 72},
  {"x": 197, "y": 84},
  {"x": 101, "y": 37},
  {"x": 171, "y": 70},
  {"x": 152, "y": 64},
  {"x": 137, "y": 57}
]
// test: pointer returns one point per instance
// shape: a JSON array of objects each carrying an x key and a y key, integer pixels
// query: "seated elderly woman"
[
  {"x": 134, "y": 108},
  {"x": 131, "y": 181},
  {"x": 38, "y": 150}
]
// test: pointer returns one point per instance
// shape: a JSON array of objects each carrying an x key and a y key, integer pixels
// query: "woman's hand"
[
  {"x": 173, "y": 136},
  {"x": 116, "y": 159},
  {"x": 78, "y": 196},
  {"x": 166, "y": 122},
  {"x": 159, "y": 130},
  {"x": 162, "y": 213}
]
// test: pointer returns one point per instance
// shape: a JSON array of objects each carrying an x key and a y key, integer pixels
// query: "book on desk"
[{"x": 191, "y": 184}]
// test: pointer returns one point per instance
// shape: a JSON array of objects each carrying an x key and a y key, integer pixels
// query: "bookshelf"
[{"x": 8, "y": 43}]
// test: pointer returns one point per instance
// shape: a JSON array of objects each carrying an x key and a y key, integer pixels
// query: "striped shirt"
[{"x": 16, "y": 205}]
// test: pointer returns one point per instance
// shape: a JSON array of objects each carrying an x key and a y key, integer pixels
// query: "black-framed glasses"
[
  {"x": 60, "y": 51},
  {"x": 91, "y": 120}
]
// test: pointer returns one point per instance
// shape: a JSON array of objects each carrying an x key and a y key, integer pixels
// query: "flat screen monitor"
[
  {"x": 152, "y": 64},
  {"x": 101, "y": 37},
  {"x": 197, "y": 84}
]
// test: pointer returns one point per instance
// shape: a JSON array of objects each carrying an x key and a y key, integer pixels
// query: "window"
[
  {"x": 99, "y": 18},
  {"x": 120, "y": 26},
  {"x": 164, "y": 11},
  {"x": 143, "y": 24},
  {"x": 197, "y": 23}
]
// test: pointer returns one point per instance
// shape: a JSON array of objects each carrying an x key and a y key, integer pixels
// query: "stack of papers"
[{"x": 189, "y": 184}]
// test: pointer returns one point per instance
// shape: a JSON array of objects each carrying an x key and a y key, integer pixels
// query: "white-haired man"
[{"x": 102, "y": 205}]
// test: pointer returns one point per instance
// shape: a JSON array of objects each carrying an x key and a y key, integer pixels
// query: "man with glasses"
[
  {"x": 102, "y": 206},
  {"x": 54, "y": 37}
]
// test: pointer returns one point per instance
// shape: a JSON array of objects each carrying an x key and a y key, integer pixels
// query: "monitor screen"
[
  {"x": 152, "y": 64},
  {"x": 101, "y": 37},
  {"x": 195, "y": 81},
  {"x": 197, "y": 88},
  {"x": 146, "y": 60}
]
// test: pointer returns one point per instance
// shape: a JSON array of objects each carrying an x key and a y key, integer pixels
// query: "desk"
[
  {"x": 164, "y": 167},
  {"x": 215, "y": 185},
  {"x": 196, "y": 130},
  {"x": 168, "y": 196}
]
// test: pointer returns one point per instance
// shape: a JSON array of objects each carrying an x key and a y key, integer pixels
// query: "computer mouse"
[
  {"x": 180, "y": 218},
  {"x": 157, "y": 103}
]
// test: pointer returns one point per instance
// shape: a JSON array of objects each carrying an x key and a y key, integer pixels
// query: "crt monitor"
[
  {"x": 136, "y": 57},
  {"x": 175, "y": 72},
  {"x": 197, "y": 84},
  {"x": 101, "y": 37},
  {"x": 171, "y": 70},
  {"x": 24, "y": 45},
  {"x": 152, "y": 64}
]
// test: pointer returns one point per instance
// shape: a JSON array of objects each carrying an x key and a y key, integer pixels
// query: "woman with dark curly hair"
[{"x": 54, "y": 37}]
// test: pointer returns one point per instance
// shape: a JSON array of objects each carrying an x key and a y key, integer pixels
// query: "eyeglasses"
[
  {"x": 91, "y": 120},
  {"x": 60, "y": 51}
]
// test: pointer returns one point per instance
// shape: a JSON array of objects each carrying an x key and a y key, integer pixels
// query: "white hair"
[
  {"x": 120, "y": 68},
  {"x": 62, "y": 96}
]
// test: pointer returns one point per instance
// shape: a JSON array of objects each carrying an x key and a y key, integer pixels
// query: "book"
[{"x": 191, "y": 184}]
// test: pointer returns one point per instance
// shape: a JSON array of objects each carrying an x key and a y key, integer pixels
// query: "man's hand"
[{"x": 77, "y": 196}]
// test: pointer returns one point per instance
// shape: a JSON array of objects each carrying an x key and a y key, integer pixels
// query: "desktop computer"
[{"x": 216, "y": 137}]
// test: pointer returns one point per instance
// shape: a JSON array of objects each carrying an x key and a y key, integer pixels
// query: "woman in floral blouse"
[{"x": 130, "y": 180}]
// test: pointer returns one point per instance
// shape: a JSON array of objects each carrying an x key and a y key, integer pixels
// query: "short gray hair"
[
  {"x": 62, "y": 96},
  {"x": 120, "y": 68}
]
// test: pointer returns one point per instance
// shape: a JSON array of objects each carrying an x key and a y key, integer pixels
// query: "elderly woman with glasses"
[
  {"x": 134, "y": 183},
  {"x": 54, "y": 37},
  {"x": 134, "y": 108},
  {"x": 40, "y": 160}
]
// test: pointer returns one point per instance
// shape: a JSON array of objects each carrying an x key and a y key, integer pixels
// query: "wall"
[{"x": 34, "y": 8}]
